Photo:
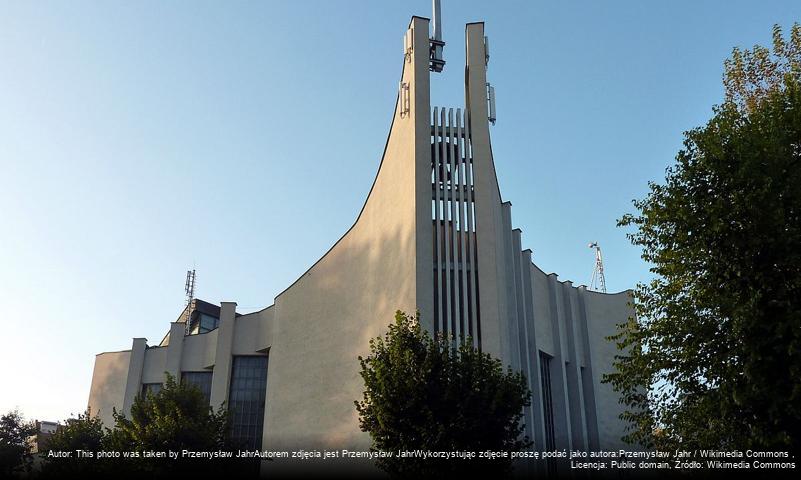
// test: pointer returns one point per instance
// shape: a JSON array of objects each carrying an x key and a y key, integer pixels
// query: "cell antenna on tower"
[
  {"x": 598, "y": 282},
  {"x": 189, "y": 288},
  {"x": 435, "y": 42}
]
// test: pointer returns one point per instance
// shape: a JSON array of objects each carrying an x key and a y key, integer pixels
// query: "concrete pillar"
[
  {"x": 519, "y": 337},
  {"x": 133, "y": 385},
  {"x": 520, "y": 333},
  {"x": 559, "y": 389},
  {"x": 533, "y": 360},
  {"x": 222, "y": 358},
  {"x": 417, "y": 74},
  {"x": 489, "y": 222},
  {"x": 508, "y": 308},
  {"x": 573, "y": 369},
  {"x": 588, "y": 388},
  {"x": 175, "y": 350}
]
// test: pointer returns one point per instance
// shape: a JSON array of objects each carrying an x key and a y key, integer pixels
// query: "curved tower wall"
[{"x": 326, "y": 319}]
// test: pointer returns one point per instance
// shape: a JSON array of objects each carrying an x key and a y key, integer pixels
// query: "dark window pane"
[
  {"x": 246, "y": 400},
  {"x": 201, "y": 380},
  {"x": 152, "y": 388},
  {"x": 547, "y": 404},
  {"x": 208, "y": 323}
]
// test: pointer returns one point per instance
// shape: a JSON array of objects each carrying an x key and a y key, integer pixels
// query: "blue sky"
[{"x": 138, "y": 139}]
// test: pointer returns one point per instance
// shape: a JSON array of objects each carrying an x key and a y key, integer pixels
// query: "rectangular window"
[
  {"x": 208, "y": 323},
  {"x": 547, "y": 400},
  {"x": 201, "y": 380},
  {"x": 152, "y": 388},
  {"x": 547, "y": 408},
  {"x": 202, "y": 323},
  {"x": 246, "y": 400}
]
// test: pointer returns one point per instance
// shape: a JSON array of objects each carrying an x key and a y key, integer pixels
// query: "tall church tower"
[
  {"x": 474, "y": 280},
  {"x": 458, "y": 209}
]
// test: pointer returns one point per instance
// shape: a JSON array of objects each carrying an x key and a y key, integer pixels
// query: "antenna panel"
[{"x": 491, "y": 103}]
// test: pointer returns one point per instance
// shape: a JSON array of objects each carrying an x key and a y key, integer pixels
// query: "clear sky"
[{"x": 138, "y": 139}]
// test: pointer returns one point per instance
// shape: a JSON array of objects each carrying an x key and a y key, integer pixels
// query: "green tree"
[
  {"x": 713, "y": 359},
  {"x": 15, "y": 451},
  {"x": 427, "y": 393},
  {"x": 82, "y": 433},
  {"x": 176, "y": 418}
]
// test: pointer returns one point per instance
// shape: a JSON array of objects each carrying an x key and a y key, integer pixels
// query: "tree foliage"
[
  {"x": 752, "y": 75},
  {"x": 176, "y": 418},
  {"x": 714, "y": 358},
  {"x": 427, "y": 393},
  {"x": 15, "y": 451},
  {"x": 84, "y": 432}
]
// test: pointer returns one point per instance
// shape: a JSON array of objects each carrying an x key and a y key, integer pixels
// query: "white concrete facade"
[{"x": 477, "y": 281}]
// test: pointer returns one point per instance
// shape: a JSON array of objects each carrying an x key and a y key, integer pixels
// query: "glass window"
[
  {"x": 246, "y": 400},
  {"x": 201, "y": 380},
  {"x": 152, "y": 388},
  {"x": 202, "y": 323},
  {"x": 547, "y": 400},
  {"x": 208, "y": 323}
]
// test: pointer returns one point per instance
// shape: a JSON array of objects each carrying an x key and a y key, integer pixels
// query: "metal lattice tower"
[
  {"x": 437, "y": 63},
  {"x": 598, "y": 282},
  {"x": 189, "y": 288}
]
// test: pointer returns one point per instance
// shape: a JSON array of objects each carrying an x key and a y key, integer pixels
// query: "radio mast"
[
  {"x": 435, "y": 41},
  {"x": 598, "y": 282},
  {"x": 189, "y": 288}
]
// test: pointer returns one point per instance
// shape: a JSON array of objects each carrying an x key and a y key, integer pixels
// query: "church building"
[{"x": 434, "y": 235}]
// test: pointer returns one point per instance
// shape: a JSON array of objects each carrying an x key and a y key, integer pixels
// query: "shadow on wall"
[{"x": 323, "y": 323}]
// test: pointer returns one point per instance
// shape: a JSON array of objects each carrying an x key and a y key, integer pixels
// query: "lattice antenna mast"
[
  {"x": 435, "y": 41},
  {"x": 189, "y": 288},
  {"x": 598, "y": 282}
]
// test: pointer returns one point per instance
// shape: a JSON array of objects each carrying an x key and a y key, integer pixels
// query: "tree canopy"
[
  {"x": 713, "y": 359},
  {"x": 15, "y": 451},
  {"x": 176, "y": 418},
  {"x": 434, "y": 394},
  {"x": 84, "y": 432}
]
